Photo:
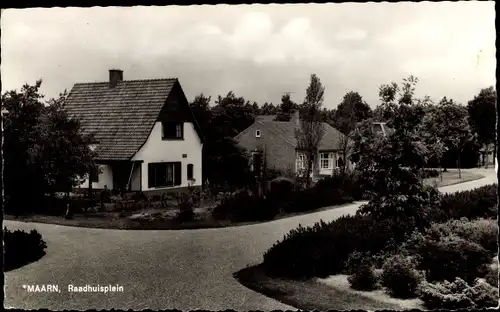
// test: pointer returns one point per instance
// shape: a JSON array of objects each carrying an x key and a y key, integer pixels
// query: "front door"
[{"x": 121, "y": 173}]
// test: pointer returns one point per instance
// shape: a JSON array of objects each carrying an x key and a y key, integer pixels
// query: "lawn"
[
  {"x": 313, "y": 294},
  {"x": 160, "y": 219},
  {"x": 450, "y": 177},
  {"x": 303, "y": 270}
]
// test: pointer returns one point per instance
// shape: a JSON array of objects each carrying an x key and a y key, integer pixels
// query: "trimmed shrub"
[
  {"x": 324, "y": 248},
  {"x": 477, "y": 203},
  {"x": 458, "y": 295},
  {"x": 243, "y": 207},
  {"x": 451, "y": 256},
  {"x": 491, "y": 276},
  {"x": 400, "y": 277},
  {"x": 185, "y": 205},
  {"x": 364, "y": 278},
  {"x": 481, "y": 231},
  {"x": 355, "y": 260},
  {"x": 21, "y": 248}
]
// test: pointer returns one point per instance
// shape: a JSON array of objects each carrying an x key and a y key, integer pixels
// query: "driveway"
[{"x": 184, "y": 269}]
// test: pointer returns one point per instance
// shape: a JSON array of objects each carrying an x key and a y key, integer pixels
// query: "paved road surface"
[{"x": 188, "y": 269}]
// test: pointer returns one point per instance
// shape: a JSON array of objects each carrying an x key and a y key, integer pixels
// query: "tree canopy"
[{"x": 44, "y": 150}]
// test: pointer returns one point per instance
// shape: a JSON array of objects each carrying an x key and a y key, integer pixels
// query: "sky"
[{"x": 259, "y": 52}]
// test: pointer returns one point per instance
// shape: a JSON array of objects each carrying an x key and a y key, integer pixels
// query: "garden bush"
[
  {"x": 243, "y": 206},
  {"x": 430, "y": 173},
  {"x": 400, "y": 277},
  {"x": 364, "y": 278},
  {"x": 21, "y": 248},
  {"x": 458, "y": 295},
  {"x": 185, "y": 203},
  {"x": 323, "y": 194},
  {"x": 491, "y": 276},
  {"x": 449, "y": 257},
  {"x": 324, "y": 248},
  {"x": 480, "y": 231},
  {"x": 477, "y": 203}
]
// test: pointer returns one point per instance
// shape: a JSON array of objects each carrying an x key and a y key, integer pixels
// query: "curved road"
[{"x": 185, "y": 269}]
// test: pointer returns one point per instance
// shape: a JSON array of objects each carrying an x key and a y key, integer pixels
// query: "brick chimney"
[
  {"x": 295, "y": 117},
  {"x": 115, "y": 76}
]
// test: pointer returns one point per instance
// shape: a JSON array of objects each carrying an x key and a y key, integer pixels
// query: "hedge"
[
  {"x": 458, "y": 295},
  {"x": 21, "y": 248},
  {"x": 324, "y": 248},
  {"x": 477, "y": 203}
]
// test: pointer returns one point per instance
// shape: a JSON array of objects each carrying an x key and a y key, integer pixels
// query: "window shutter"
[
  {"x": 177, "y": 173},
  {"x": 151, "y": 177}
]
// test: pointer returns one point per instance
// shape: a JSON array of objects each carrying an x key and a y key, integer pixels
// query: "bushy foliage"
[
  {"x": 400, "y": 276},
  {"x": 364, "y": 278},
  {"x": 477, "y": 203},
  {"x": 243, "y": 206},
  {"x": 408, "y": 210},
  {"x": 44, "y": 150},
  {"x": 448, "y": 257},
  {"x": 430, "y": 173},
  {"x": 185, "y": 203},
  {"x": 21, "y": 248},
  {"x": 458, "y": 295},
  {"x": 391, "y": 165},
  {"x": 481, "y": 231},
  {"x": 324, "y": 248},
  {"x": 491, "y": 276},
  {"x": 338, "y": 189}
]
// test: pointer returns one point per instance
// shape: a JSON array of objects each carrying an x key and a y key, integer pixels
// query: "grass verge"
[
  {"x": 451, "y": 178},
  {"x": 309, "y": 294}
]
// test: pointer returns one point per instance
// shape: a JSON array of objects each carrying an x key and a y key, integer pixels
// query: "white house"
[{"x": 146, "y": 136}]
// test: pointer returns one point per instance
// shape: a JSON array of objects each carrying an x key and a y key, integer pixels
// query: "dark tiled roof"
[
  {"x": 121, "y": 118},
  {"x": 331, "y": 138}
]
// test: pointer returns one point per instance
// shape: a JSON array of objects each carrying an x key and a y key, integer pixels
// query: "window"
[
  {"x": 94, "y": 173},
  {"x": 301, "y": 162},
  {"x": 172, "y": 130},
  {"x": 190, "y": 171},
  {"x": 257, "y": 133},
  {"x": 164, "y": 174},
  {"x": 326, "y": 160}
]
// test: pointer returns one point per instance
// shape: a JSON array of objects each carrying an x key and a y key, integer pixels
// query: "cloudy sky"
[{"x": 258, "y": 51}]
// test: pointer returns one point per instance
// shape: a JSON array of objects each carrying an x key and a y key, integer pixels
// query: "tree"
[
  {"x": 387, "y": 94},
  {"x": 268, "y": 109},
  {"x": 285, "y": 109},
  {"x": 482, "y": 116},
  {"x": 391, "y": 165},
  {"x": 44, "y": 150},
  {"x": 64, "y": 148},
  {"x": 224, "y": 163},
  {"x": 350, "y": 111},
  {"x": 311, "y": 130},
  {"x": 202, "y": 112},
  {"x": 449, "y": 122},
  {"x": 231, "y": 115}
]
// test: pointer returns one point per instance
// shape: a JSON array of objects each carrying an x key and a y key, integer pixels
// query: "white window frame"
[
  {"x": 301, "y": 161},
  {"x": 328, "y": 159},
  {"x": 257, "y": 133}
]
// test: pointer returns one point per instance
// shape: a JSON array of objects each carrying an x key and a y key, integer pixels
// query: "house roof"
[
  {"x": 121, "y": 118},
  {"x": 286, "y": 130}
]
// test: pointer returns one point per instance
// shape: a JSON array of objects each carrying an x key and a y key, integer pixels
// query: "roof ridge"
[{"x": 133, "y": 80}]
